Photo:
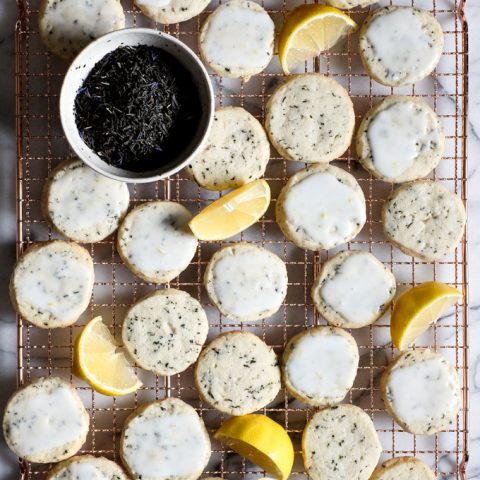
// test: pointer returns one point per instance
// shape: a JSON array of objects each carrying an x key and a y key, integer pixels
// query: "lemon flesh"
[
  {"x": 98, "y": 361},
  {"x": 309, "y": 30},
  {"x": 417, "y": 308},
  {"x": 233, "y": 213},
  {"x": 261, "y": 440}
]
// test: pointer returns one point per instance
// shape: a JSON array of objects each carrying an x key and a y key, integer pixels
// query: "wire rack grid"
[{"x": 41, "y": 146}]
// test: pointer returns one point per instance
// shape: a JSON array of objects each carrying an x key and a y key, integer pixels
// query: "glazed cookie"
[
  {"x": 353, "y": 289},
  {"x": 246, "y": 282},
  {"x": 45, "y": 421},
  {"x": 321, "y": 207},
  {"x": 424, "y": 219},
  {"x": 165, "y": 440},
  {"x": 171, "y": 11},
  {"x": 87, "y": 467},
  {"x": 340, "y": 442},
  {"x": 403, "y": 468},
  {"x": 238, "y": 373},
  {"x": 319, "y": 365},
  {"x": 400, "y": 139},
  {"x": 164, "y": 331},
  {"x": 237, "y": 151},
  {"x": 310, "y": 118},
  {"x": 82, "y": 204},
  {"x": 52, "y": 283},
  {"x": 421, "y": 392},
  {"x": 155, "y": 241},
  {"x": 237, "y": 39},
  {"x": 347, "y": 4},
  {"x": 400, "y": 45},
  {"x": 67, "y": 26}
]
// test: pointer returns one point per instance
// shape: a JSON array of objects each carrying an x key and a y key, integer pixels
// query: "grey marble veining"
[{"x": 8, "y": 464}]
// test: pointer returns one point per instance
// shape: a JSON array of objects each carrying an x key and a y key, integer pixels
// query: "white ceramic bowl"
[{"x": 95, "y": 51}]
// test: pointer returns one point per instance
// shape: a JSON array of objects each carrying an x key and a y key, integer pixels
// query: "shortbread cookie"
[
  {"x": 400, "y": 139},
  {"x": 320, "y": 364},
  {"x": 421, "y": 392},
  {"x": 310, "y": 118},
  {"x": 164, "y": 331},
  {"x": 82, "y": 204},
  {"x": 400, "y": 45},
  {"x": 246, "y": 282},
  {"x": 66, "y": 26},
  {"x": 237, "y": 39},
  {"x": 424, "y": 219},
  {"x": 353, "y": 289},
  {"x": 340, "y": 442},
  {"x": 87, "y": 467},
  {"x": 321, "y": 207},
  {"x": 171, "y": 11},
  {"x": 155, "y": 241},
  {"x": 45, "y": 421},
  {"x": 238, "y": 373},
  {"x": 237, "y": 151},
  {"x": 403, "y": 468},
  {"x": 347, "y": 4},
  {"x": 165, "y": 440},
  {"x": 52, "y": 283}
]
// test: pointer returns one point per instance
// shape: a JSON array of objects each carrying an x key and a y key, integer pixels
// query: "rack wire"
[{"x": 41, "y": 146}]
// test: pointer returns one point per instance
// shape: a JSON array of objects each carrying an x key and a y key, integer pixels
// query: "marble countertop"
[{"x": 8, "y": 464}]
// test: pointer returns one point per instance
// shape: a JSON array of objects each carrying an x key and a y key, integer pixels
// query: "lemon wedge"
[
  {"x": 261, "y": 440},
  {"x": 419, "y": 307},
  {"x": 98, "y": 361},
  {"x": 309, "y": 30},
  {"x": 233, "y": 213}
]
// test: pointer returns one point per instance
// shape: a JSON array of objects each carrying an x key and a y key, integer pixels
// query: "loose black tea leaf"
[{"x": 138, "y": 108}]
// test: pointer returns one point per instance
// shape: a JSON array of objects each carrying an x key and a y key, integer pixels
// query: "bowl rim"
[{"x": 209, "y": 101}]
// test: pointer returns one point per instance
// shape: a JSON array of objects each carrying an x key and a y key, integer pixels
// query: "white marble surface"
[{"x": 8, "y": 465}]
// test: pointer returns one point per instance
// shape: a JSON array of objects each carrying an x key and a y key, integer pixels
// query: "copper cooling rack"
[{"x": 41, "y": 146}]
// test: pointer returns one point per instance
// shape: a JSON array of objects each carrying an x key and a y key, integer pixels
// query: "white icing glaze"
[
  {"x": 401, "y": 43},
  {"x": 165, "y": 447},
  {"x": 397, "y": 135},
  {"x": 326, "y": 209},
  {"x": 322, "y": 365},
  {"x": 153, "y": 3},
  {"x": 45, "y": 421},
  {"x": 85, "y": 471},
  {"x": 239, "y": 37},
  {"x": 359, "y": 289},
  {"x": 249, "y": 282},
  {"x": 56, "y": 283},
  {"x": 422, "y": 391},
  {"x": 160, "y": 238}
]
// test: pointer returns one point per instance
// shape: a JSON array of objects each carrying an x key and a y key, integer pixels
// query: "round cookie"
[
  {"x": 164, "y": 331},
  {"x": 237, "y": 39},
  {"x": 321, "y": 207},
  {"x": 421, "y": 392},
  {"x": 237, "y": 373},
  {"x": 45, "y": 421},
  {"x": 87, "y": 467},
  {"x": 155, "y": 241},
  {"x": 403, "y": 468},
  {"x": 82, "y": 204},
  {"x": 165, "y": 440},
  {"x": 67, "y": 26},
  {"x": 347, "y": 4},
  {"x": 319, "y": 365},
  {"x": 246, "y": 282},
  {"x": 310, "y": 118},
  {"x": 353, "y": 289},
  {"x": 52, "y": 283},
  {"x": 401, "y": 139},
  {"x": 400, "y": 45},
  {"x": 340, "y": 442},
  {"x": 171, "y": 11},
  {"x": 424, "y": 219},
  {"x": 237, "y": 151}
]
